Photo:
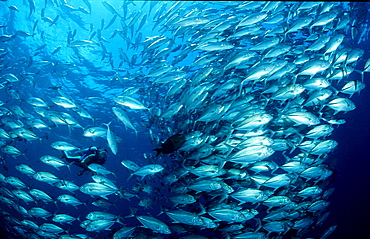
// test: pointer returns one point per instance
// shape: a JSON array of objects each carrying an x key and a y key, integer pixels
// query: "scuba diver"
[{"x": 85, "y": 157}]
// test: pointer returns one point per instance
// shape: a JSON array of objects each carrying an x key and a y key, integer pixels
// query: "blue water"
[{"x": 89, "y": 73}]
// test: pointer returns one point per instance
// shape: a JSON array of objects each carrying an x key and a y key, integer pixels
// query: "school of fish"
[{"x": 256, "y": 88}]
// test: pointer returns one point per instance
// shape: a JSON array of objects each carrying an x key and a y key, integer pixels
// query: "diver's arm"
[
  {"x": 71, "y": 157},
  {"x": 84, "y": 151}
]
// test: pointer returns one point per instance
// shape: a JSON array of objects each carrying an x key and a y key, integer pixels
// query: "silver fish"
[
  {"x": 97, "y": 189},
  {"x": 111, "y": 138}
]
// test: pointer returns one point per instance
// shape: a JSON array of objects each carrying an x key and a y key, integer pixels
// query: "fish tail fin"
[
  {"x": 133, "y": 211},
  {"x": 158, "y": 150},
  {"x": 69, "y": 129},
  {"x": 85, "y": 203},
  {"x": 114, "y": 204},
  {"x": 69, "y": 166},
  {"x": 24, "y": 154},
  {"x": 107, "y": 124},
  {"x": 221, "y": 161},
  {"x": 258, "y": 224},
  {"x": 361, "y": 73},
  {"x": 56, "y": 204},
  {"x": 162, "y": 210},
  {"x": 203, "y": 210},
  {"x": 114, "y": 173},
  {"x": 119, "y": 220}
]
